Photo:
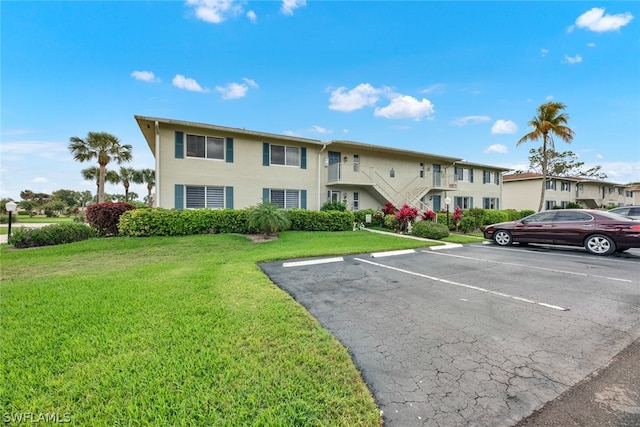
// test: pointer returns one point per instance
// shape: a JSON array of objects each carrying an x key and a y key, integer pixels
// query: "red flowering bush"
[
  {"x": 428, "y": 215},
  {"x": 389, "y": 209},
  {"x": 457, "y": 216},
  {"x": 104, "y": 217},
  {"x": 406, "y": 215}
]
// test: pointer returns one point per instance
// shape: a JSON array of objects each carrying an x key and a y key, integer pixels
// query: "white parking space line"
[
  {"x": 392, "y": 253},
  {"x": 553, "y": 270},
  {"x": 462, "y": 285},
  {"x": 311, "y": 262}
]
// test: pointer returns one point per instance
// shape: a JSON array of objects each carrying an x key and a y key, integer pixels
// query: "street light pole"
[
  {"x": 447, "y": 201},
  {"x": 10, "y": 207}
]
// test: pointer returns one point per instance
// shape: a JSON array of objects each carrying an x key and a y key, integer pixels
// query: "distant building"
[
  {"x": 201, "y": 165},
  {"x": 522, "y": 191}
]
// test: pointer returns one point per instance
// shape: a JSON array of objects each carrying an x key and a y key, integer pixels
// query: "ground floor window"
[
  {"x": 463, "y": 202},
  {"x": 333, "y": 196},
  {"x": 200, "y": 196},
  {"x": 356, "y": 201},
  {"x": 490, "y": 203},
  {"x": 285, "y": 199},
  {"x": 549, "y": 204}
]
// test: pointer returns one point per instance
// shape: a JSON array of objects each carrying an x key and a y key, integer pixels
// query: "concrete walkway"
[{"x": 443, "y": 245}]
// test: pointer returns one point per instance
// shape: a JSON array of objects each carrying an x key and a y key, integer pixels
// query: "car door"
[
  {"x": 571, "y": 227},
  {"x": 535, "y": 228}
]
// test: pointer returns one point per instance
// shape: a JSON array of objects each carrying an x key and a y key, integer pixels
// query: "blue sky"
[{"x": 459, "y": 79}]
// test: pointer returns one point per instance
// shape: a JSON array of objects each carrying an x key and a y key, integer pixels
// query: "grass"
[
  {"x": 175, "y": 331},
  {"x": 24, "y": 219}
]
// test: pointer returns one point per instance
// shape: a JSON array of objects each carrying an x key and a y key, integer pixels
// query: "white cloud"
[
  {"x": 549, "y": 97},
  {"x": 591, "y": 44},
  {"x": 497, "y": 148},
  {"x": 435, "y": 88},
  {"x": 470, "y": 120},
  {"x": 40, "y": 180},
  {"x": 288, "y": 6},
  {"x": 363, "y": 95},
  {"x": 544, "y": 52},
  {"x": 504, "y": 127},
  {"x": 251, "y": 15},
  {"x": 319, "y": 129},
  {"x": 596, "y": 20},
  {"x": 145, "y": 76},
  {"x": 215, "y": 11},
  {"x": 406, "y": 107},
  {"x": 182, "y": 82},
  {"x": 236, "y": 90},
  {"x": 572, "y": 59}
]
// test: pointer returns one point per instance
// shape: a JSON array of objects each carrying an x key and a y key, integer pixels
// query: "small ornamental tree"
[
  {"x": 104, "y": 217},
  {"x": 457, "y": 216},
  {"x": 428, "y": 215},
  {"x": 389, "y": 209},
  {"x": 406, "y": 215}
]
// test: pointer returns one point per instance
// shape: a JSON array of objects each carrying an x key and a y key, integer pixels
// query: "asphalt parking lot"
[{"x": 479, "y": 335}]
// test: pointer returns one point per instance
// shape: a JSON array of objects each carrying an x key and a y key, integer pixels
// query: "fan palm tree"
[
  {"x": 268, "y": 218},
  {"x": 93, "y": 172},
  {"x": 549, "y": 121},
  {"x": 104, "y": 148},
  {"x": 126, "y": 176},
  {"x": 148, "y": 177}
]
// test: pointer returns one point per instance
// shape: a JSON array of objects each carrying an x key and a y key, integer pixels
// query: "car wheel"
[
  {"x": 502, "y": 238},
  {"x": 599, "y": 244}
]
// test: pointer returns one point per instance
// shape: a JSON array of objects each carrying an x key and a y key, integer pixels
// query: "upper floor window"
[
  {"x": 550, "y": 184},
  {"x": 421, "y": 170},
  {"x": 206, "y": 147},
  {"x": 285, "y": 155},
  {"x": 489, "y": 177},
  {"x": 565, "y": 186},
  {"x": 464, "y": 174},
  {"x": 356, "y": 162}
]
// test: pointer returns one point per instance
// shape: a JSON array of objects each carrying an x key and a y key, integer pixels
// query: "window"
[
  {"x": 206, "y": 147},
  {"x": 421, "y": 170},
  {"x": 565, "y": 186},
  {"x": 550, "y": 184},
  {"x": 549, "y": 204},
  {"x": 490, "y": 203},
  {"x": 573, "y": 216},
  {"x": 464, "y": 174},
  {"x": 489, "y": 177},
  {"x": 542, "y": 217},
  {"x": 356, "y": 163},
  {"x": 285, "y": 156},
  {"x": 463, "y": 202},
  {"x": 285, "y": 199},
  {"x": 356, "y": 201},
  {"x": 199, "y": 196},
  {"x": 333, "y": 196}
]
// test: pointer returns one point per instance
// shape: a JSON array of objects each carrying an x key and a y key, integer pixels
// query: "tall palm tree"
[
  {"x": 93, "y": 172},
  {"x": 104, "y": 148},
  {"x": 148, "y": 177},
  {"x": 126, "y": 176},
  {"x": 549, "y": 121}
]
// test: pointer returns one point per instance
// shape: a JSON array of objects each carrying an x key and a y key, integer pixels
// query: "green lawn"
[
  {"x": 24, "y": 219},
  {"x": 175, "y": 331}
]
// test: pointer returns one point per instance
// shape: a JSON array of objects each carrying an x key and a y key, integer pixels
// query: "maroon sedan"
[{"x": 600, "y": 232}]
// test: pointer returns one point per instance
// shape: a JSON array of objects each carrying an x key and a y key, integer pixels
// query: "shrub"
[
  {"x": 406, "y": 215},
  {"x": 334, "y": 206},
  {"x": 572, "y": 205},
  {"x": 306, "y": 220},
  {"x": 104, "y": 217},
  {"x": 268, "y": 218},
  {"x": 376, "y": 217},
  {"x": 492, "y": 216},
  {"x": 388, "y": 209},
  {"x": 526, "y": 212},
  {"x": 430, "y": 230},
  {"x": 54, "y": 234},
  {"x": 512, "y": 214},
  {"x": 4, "y": 219},
  {"x": 428, "y": 215},
  {"x": 391, "y": 222},
  {"x": 468, "y": 224}
]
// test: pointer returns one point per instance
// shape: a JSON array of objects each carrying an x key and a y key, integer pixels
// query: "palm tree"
[
  {"x": 93, "y": 172},
  {"x": 126, "y": 177},
  {"x": 103, "y": 147},
  {"x": 268, "y": 218},
  {"x": 148, "y": 177},
  {"x": 549, "y": 121}
]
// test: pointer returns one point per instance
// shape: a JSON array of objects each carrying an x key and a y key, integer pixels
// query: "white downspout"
[{"x": 157, "y": 198}]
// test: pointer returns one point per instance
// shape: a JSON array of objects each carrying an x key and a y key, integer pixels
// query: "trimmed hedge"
[
  {"x": 429, "y": 230},
  {"x": 54, "y": 234},
  {"x": 163, "y": 222},
  {"x": 104, "y": 217}
]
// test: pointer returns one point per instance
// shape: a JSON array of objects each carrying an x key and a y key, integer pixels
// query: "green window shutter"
[
  {"x": 485, "y": 203},
  {"x": 497, "y": 203},
  {"x": 229, "y": 150},
  {"x": 470, "y": 175},
  {"x": 265, "y": 195},
  {"x": 456, "y": 202},
  {"x": 228, "y": 199},
  {"x": 498, "y": 180},
  {"x": 485, "y": 177},
  {"x": 179, "y": 196},
  {"x": 179, "y": 145},
  {"x": 303, "y": 158},
  {"x": 471, "y": 202},
  {"x": 455, "y": 173},
  {"x": 303, "y": 199},
  {"x": 265, "y": 154}
]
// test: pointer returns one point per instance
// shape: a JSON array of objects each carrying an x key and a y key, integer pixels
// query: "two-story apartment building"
[
  {"x": 201, "y": 165},
  {"x": 522, "y": 191}
]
